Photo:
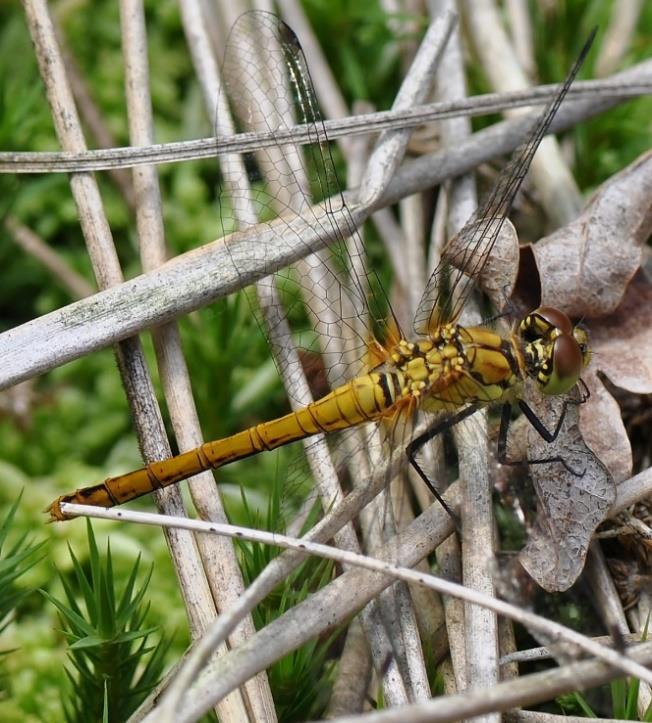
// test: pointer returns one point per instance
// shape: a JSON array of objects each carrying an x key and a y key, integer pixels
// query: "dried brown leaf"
[
  {"x": 603, "y": 429},
  {"x": 622, "y": 351},
  {"x": 495, "y": 275},
  {"x": 573, "y": 499},
  {"x": 622, "y": 342},
  {"x": 585, "y": 267}
]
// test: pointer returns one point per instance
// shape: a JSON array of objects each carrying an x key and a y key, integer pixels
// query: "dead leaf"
[
  {"x": 622, "y": 342},
  {"x": 603, "y": 429},
  {"x": 622, "y": 352},
  {"x": 495, "y": 275},
  {"x": 573, "y": 499},
  {"x": 586, "y": 266}
]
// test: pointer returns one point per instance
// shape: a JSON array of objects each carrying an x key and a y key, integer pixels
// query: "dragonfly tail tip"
[{"x": 54, "y": 511}]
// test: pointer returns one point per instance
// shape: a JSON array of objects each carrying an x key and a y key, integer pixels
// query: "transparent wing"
[
  {"x": 466, "y": 257},
  {"x": 330, "y": 294}
]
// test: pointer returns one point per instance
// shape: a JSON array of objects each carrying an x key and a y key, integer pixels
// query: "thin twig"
[
  {"x": 353, "y": 675},
  {"x": 520, "y": 26},
  {"x": 560, "y": 196},
  {"x": 93, "y": 119},
  {"x": 32, "y": 244},
  {"x": 197, "y": 278},
  {"x": 184, "y": 284},
  {"x": 631, "y": 491},
  {"x": 384, "y": 159},
  {"x": 604, "y": 94},
  {"x": 230, "y": 579},
  {"x": 391, "y": 145},
  {"x": 503, "y": 697},
  {"x": 480, "y": 624},
  {"x": 618, "y": 36},
  {"x": 449, "y": 560},
  {"x": 535, "y": 654},
  {"x": 387, "y": 568},
  {"x": 218, "y": 559},
  {"x": 135, "y": 376},
  {"x": 288, "y": 561},
  {"x": 532, "y": 716}
]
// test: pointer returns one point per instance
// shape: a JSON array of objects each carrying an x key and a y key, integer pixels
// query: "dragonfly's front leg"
[{"x": 546, "y": 434}]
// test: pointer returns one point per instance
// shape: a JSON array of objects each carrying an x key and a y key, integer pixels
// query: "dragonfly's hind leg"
[{"x": 418, "y": 442}]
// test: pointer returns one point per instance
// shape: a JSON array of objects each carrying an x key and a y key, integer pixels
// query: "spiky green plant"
[
  {"x": 113, "y": 667},
  {"x": 14, "y": 562}
]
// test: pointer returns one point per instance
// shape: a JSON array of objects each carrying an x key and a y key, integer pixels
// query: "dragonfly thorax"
[
  {"x": 455, "y": 365},
  {"x": 554, "y": 350},
  {"x": 420, "y": 365}
]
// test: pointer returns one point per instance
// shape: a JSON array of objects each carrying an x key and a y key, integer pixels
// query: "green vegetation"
[
  {"x": 71, "y": 427},
  {"x": 302, "y": 680},
  {"x": 113, "y": 668}
]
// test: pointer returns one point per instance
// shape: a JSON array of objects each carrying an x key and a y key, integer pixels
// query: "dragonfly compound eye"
[
  {"x": 565, "y": 365},
  {"x": 556, "y": 350},
  {"x": 548, "y": 319}
]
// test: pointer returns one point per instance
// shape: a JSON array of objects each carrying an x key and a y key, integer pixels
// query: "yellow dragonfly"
[{"x": 441, "y": 367}]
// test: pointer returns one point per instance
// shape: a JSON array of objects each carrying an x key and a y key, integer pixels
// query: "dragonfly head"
[{"x": 555, "y": 350}]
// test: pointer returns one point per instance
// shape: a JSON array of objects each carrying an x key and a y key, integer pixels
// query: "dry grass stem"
[
  {"x": 480, "y": 624},
  {"x": 92, "y": 118},
  {"x": 340, "y": 594},
  {"x": 520, "y": 27},
  {"x": 218, "y": 556},
  {"x": 531, "y": 716},
  {"x": 559, "y": 193},
  {"x": 391, "y": 145},
  {"x": 533, "y": 654},
  {"x": 148, "y": 301},
  {"x": 135, "y": 375},
  {"x": 33, "y": 245},
  {"x": 505, "y": 696},
  {"x": 618, "y": 36},
  {"x": 598, "y": 95}
]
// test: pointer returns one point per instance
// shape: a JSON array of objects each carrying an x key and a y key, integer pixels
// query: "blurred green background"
[{"x": 71, "y": 427}]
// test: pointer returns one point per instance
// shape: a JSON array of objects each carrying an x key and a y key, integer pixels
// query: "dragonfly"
[{"x": 441, "y": 368}]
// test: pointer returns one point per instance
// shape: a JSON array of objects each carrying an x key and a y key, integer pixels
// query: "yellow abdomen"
[
  {"x": 364, "y": 398},
  {"x": 457, "y": 367}
]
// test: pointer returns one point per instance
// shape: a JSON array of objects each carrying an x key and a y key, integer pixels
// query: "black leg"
[
  {"x": 539, "y": 425},
  {"x": 430, "y": 433},
  {"x": 505, "y": 420},
  {"x": 585, "y": 393},
  {"x": 545, "y": 433}
]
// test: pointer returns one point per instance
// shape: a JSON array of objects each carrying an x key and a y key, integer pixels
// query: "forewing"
[{"x": 330, "y": 295}]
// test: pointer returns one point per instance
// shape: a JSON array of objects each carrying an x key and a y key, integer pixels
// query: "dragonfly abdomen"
[
  {"x": 362, "y": 399},
  {"x": 463, "y": 366}
]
